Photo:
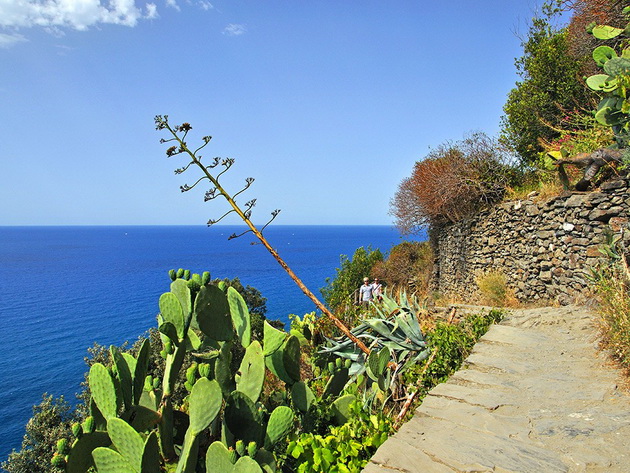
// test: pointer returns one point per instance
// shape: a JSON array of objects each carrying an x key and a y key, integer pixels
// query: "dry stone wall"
[{"x": 544, "y": 249}]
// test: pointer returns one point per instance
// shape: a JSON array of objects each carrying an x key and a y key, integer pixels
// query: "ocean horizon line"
[{"x": 35, "y": 225}]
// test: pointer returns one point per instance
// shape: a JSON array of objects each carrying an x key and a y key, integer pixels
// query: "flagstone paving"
[{"x": 535, "y": 395}]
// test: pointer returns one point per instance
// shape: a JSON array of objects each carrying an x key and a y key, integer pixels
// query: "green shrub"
[{"x": 52, "y": 420}]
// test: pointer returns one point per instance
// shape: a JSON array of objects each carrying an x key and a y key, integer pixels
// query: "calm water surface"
[{"x": 64, "y": 288}]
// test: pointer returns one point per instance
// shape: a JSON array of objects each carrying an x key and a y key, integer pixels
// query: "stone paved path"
[{"x": 535, "y": 396}]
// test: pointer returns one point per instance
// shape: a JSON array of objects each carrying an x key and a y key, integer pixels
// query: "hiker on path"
[{"x": 377, "y": 290}]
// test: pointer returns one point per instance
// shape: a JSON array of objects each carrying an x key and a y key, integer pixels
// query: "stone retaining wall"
[{"x": 543, "y": 248}]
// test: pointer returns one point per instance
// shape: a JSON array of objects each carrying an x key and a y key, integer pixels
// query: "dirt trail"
[{"x": 535, "y": 396}]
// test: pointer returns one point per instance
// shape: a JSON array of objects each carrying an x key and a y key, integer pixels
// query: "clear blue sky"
[{"x": 327, "y": 104}]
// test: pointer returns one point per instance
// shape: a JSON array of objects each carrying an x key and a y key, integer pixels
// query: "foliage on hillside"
[
  {"x": 408, "y": 266},
  {"x": 339, "y": 291},
  {"x": 52, "y": 420},
  {"x": 549, "y": 94}
]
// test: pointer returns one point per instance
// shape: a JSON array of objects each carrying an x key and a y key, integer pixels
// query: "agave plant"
[{"x": 395, "y": 340}]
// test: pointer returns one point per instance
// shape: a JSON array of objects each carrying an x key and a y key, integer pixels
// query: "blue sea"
[{"x": 64, "y": 288}]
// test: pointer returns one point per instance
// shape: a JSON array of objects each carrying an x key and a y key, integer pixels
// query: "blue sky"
[{"x": 327, "y": 104}]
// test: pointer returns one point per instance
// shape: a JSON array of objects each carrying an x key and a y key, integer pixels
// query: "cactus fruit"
[
  {"x": 205, "y": 278},
  {"x": 180, "y": 273},
  {"x": 233, "y": 456},
  {"x": 172, "y": 274},
  {"x": 88, "y": 424},
  {"x": 77, "y": 430},
  {"x": 251, "y": 373},
  {"x": 58, "y": 460},
  {"x": 191, "y": 373},
  {"x": 187, "y": 274},
  {"x": 62, "y": 446},
  {"x": 240, "y": 448},
  {"x": 148, "y": 383},
  {"x": 194, "y": 284},
  {"x": 204, "y": 370},
  {"x": 252, "y": 449}
]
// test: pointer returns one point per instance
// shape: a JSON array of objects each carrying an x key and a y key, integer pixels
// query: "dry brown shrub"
[{"x": 452, "y": 182}]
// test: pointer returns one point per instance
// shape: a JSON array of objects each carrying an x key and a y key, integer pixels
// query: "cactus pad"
[
  {"x": 103, "y": 390},
  {"x": 246, "y": 465},
  {"x": 251, "y": 372},
  {"x": 242, "y": 418},
  {"x": 279, "y": 425},
  {"x": 302, "y": 396},
  {"x": 218, "y": 458},
  {"x": 179, "y": 287},
  {"x": 212, "y": 313},
  {"x": 240, "y": 316},
  {"x": 341, "y": 408},
  {"x": 273, "y": 338},
  {"x": 151, "y": 455},
  {"x": 204, "y": 404},
  {"x": 80, "y": 456},
  {"x": 110, "y": 461},
  {"x": 172, "y": 311},
  {"x": 291, "y": 357},
  {"x": 337, "y": 382},
  {"x": 127, "y": 441}
]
